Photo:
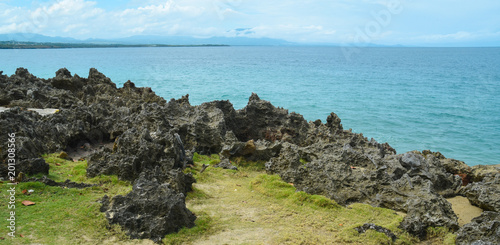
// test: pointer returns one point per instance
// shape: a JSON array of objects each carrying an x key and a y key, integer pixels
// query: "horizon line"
[{"x": 115, "y": 41}]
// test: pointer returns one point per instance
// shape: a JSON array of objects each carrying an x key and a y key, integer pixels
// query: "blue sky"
[{"x": 406, "y": 22}]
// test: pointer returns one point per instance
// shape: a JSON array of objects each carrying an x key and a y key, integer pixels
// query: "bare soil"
[{"x": 464, "y": 210}]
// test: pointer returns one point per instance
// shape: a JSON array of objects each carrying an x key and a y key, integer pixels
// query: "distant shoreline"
[{"x": 48, "y": 45}]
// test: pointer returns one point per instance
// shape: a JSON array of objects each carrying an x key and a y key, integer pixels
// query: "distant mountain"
[
  {"x": 176, "y": 40},
  {"x": 145, "y": 39},
  {"x": 31, "y": 37}
]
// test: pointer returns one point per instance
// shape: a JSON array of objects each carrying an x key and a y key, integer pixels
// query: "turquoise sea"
[{"x": 442, "y": 99}]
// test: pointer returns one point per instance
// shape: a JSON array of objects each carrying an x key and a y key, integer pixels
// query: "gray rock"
[
  {"x": 67, "y": 183},
  {"x": 426, "y": 211},
  {"x": 484, "y": 194},
  {"x": 136, "y": 152},
  {"x": 483, "y": 230},
  {"x": 369, "y": 226},
  {"x": 33, "y": 166},
  {"x": 261, "y": 120},
  {"x": 353, "y": 170},
  {"x": 150, "y": 211},
  {"x": 479, "y": 172},
  {"x": 93, "y": 112},
  {"x": 225, "y": 164},
  {"x": 260, "y": 150},
  {"x": 155, "y": 139}
]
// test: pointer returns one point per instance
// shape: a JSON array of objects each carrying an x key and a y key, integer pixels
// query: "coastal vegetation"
[
  {"x": 64, "y": 215},
  {"x": 232, "y": 206},
  {"x": 49, "y": 45}
]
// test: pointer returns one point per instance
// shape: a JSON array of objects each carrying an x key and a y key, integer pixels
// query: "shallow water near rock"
[{"x": 443, "y": 99}]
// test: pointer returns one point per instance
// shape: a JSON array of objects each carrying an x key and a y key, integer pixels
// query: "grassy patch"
[
  {"x": 441, "y": 235},
  {"x": 250, "y": 207},
  {"x": 203, "y": 227},
  {"x": 273, "y": 186},
  {"x": 347, "y": 218},
  {"x": 245, "y": 206},
  {"x": 240, "y": 162},
  {"x": 64, "y": 215}
]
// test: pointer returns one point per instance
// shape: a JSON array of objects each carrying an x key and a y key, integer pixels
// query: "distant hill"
[
  {"x": 49, "y": 45},
  {"x": 145, "y": 39},
  {"x": 31, "y": 37}
]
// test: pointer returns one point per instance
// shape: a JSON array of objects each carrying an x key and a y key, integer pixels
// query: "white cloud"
[
  {"x": 72, "y": 27},
  {"x": 308, "y": 21},
  {"x": 457, "y": 37},
  {"x": 10, "y": 28},
  {"x": 452, "y": 36},
  {"x": 66, "y": 7}
]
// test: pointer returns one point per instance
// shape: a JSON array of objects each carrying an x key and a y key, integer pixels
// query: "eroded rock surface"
[
  {"x": 153, "y": 140},
  {"x": 362, "y": 172},
  {"x": 485, "y": 194},
  {"x": 483, "y": 230},
  {"x": 150, "y": 210}
]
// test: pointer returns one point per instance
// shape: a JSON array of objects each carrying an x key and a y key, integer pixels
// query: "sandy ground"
[{"x": 464, "y": 210}]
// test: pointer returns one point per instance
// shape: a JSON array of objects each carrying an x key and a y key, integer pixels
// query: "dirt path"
[
  {"x": 244, "y": 215},
  {"x": 241, "y": 217}
]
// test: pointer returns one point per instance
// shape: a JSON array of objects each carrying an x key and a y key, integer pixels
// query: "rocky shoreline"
[{"x": 153, "y": 140}]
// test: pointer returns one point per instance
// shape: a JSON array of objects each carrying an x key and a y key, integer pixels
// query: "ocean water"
[{"x": 442, "y": 99}]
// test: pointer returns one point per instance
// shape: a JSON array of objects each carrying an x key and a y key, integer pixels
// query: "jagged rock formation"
[
  {"x": 150, "y": 210},
  {"x": 153, "y": 140},
  {"x": 93, "y": 111},
  {"x": 485, "y": 194},
  {"x": 483, "y": 230}
]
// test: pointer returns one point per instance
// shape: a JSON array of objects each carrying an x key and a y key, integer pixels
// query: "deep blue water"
[{"x": 442, "y": 99}]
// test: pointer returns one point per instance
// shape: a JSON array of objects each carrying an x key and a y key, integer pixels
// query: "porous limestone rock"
[
  {"x": 483, "y": 230},
  {"x": 150, "y": 211},
  {"x": 154, "y": 140}
]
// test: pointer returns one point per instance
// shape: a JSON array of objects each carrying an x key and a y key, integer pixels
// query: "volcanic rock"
[
  {"x": 484, "y": 194},
  {"x": 483, "y": 230},
  {"x": 151, "y": 210},
  {"x": 369, "y": 226},
  {"x": 67, "y": 183},
  {"x": 358, "y": 173},
  {"x": 225, "y": 164},
  {"x": 479, "y": 172},
  {"x": 153, "y": 141}
]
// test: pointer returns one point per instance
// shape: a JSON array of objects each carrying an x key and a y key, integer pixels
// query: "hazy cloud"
[{"x": 303, "y": 21}]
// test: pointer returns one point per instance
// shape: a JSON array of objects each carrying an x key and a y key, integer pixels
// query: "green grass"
[
  {"x": 258, "y": 166},
  {"x": 346, "y": 218},
  {"x": 250, "y": 207},
  {"x": 244, "y": 206},
  {"x": 63, "y": 215},
  {"x": 203, "y": 226},
  {"x": 441, "y": 235}
]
